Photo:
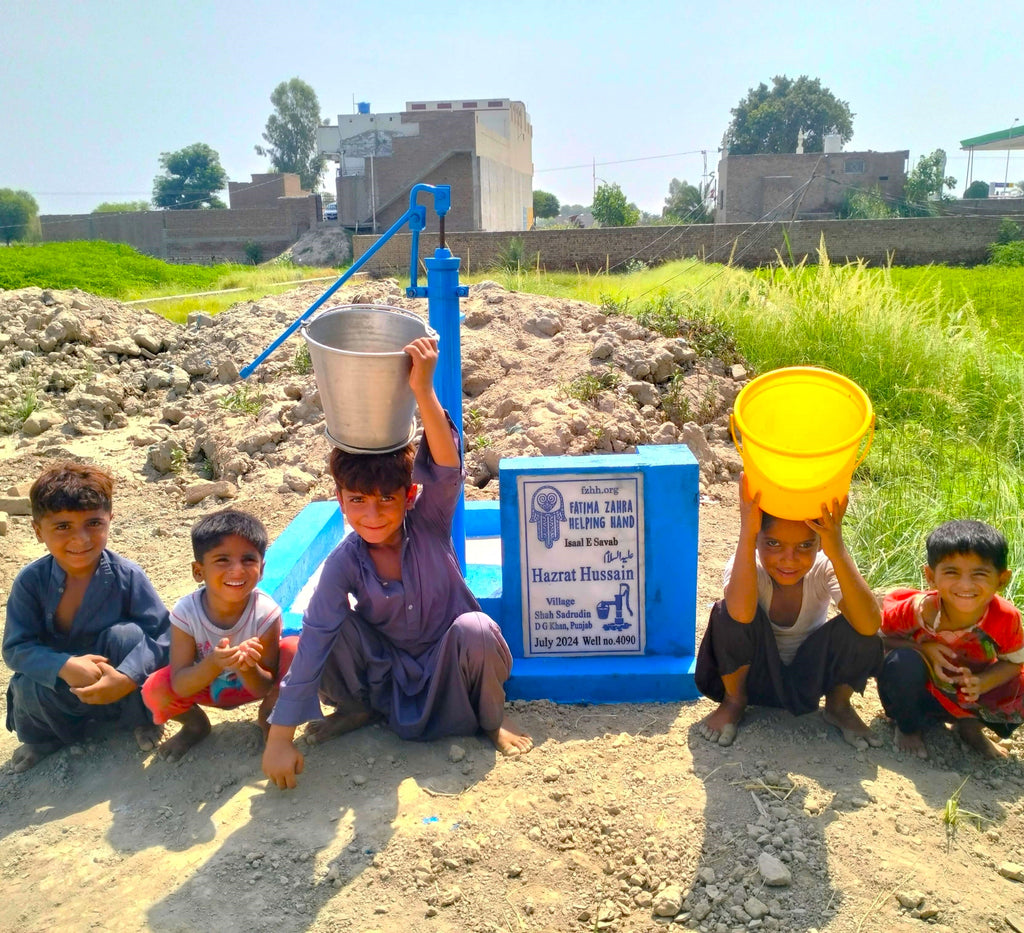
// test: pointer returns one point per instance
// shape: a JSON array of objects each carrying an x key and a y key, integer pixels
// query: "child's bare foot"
[
  {"x": 148, "y": 737},
  {"x": 912, "y": 743},
  {"x": 28, "y": 756},
  {"x": 509, "y": 739},
  {"x": 851, "y": 727},
  {"x": 722, "y": 725},
  {"x": 338, "y": 723},
  {"x": 972, "y": 734},
  {"x": 195, "y": 726}
]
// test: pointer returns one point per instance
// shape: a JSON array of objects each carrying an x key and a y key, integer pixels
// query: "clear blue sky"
[{"x": 91, "y": 92}]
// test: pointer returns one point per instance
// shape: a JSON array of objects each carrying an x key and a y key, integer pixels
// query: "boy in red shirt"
[{"x": 955, "y": 652}]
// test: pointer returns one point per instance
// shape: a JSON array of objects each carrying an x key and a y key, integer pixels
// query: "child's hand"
[
  {"x": 250, "y": 653},
  {"x": 830, "y": 527},
  {"x": 282, "y": 762},
  {"x": 111, "y": 687},
  {"x": 225, "y": 656},
  {"x": 82, "y": 670},
  {"x": 750, "y": 508},
  {"x": 940, "y": 658},
  {"x": 969, "y": 685},
  {"x": 423, "y": 351}
]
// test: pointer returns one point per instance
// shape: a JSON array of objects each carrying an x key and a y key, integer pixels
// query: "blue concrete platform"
[{"x": 293, "y": 562}]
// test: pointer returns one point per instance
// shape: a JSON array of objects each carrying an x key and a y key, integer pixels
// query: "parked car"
[{"x": 331, "y": 211}]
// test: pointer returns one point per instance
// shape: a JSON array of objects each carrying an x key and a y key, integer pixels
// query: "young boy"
[
  {"x": 770, "y": 641},
  {"x": 84, "y": 626},
  {"x": 226, "y": 645},
  {"x": 415, "y": 650},
  {"x": 955, "y": 651}
]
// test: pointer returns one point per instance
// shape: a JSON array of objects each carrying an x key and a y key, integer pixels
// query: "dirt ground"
[{"x": 622, "y": 818}]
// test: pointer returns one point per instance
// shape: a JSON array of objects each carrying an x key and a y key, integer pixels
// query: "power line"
[{"x": 668, "y": 155}]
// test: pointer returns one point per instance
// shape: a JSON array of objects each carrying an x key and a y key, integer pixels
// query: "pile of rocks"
[{"x": 541, "y": 376}]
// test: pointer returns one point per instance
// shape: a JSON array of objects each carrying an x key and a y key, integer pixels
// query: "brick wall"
[
  {"x": 192, "y": 236},
  {"x": 988, "y": 207},
  {"x": 909, "y": 242}
]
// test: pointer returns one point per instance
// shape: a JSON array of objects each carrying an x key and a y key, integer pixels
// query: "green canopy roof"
[{"x": 1012, "y": 138}]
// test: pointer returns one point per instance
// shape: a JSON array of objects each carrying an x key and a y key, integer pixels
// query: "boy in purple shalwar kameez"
[{"x": 416, "y": 650}]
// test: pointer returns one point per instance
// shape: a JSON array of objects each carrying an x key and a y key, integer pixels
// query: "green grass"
[
  {"x": 995, "y": 294},
  {"x": 946, "y": 384},
  {"x": 114, "y": 270}
]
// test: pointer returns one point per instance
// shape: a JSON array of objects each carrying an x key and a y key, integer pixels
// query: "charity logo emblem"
[{"x": 547, "y": 512}]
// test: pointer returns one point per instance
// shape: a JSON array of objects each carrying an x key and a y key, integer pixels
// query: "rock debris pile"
[{"x": 541, "y": 376}]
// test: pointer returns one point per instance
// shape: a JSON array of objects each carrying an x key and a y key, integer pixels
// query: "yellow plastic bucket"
[{"x": 801, "y": 431}]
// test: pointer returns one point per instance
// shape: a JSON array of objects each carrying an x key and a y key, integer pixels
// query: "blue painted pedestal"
[{"x": 660, "y": 668}]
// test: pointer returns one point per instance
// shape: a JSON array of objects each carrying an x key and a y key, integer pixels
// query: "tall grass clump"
[
  {"x": 918, "y": 362},
  {"x": 919, "y": 478}
]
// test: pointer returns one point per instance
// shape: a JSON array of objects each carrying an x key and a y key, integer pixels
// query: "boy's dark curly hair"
[
  {"x": 71, "y": 487},
  {"x": 211, "y": 529},
  {"x": 373, "y": 473},
  {"x": 967, "y": 536}
]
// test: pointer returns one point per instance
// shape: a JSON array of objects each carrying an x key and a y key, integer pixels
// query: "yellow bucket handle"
[
  {"x": 870, "y": 436},
  {"x": 732, "y": 431}
]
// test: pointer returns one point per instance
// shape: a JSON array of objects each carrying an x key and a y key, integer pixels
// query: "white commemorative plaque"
[{"x": 581, "y": 546}]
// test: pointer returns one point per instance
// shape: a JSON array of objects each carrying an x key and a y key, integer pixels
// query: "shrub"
[
  {"x": 977, "y": 189},
  {"x": 253, "y": 252},
  {"x": 1008, "y": 231},
  {"x": 1007, "y": 254}
]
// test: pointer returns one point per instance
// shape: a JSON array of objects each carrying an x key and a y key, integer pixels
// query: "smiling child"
[{"x": 956, "y": 651}]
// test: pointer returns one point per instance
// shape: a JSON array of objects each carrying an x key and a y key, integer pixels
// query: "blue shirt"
[{"x": 119, "y": 591}]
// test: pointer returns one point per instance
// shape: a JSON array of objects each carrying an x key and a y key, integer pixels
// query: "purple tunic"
[{"x": 417, "y": 650}]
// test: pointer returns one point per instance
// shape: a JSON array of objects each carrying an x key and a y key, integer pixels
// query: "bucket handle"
[
  {"x": 870, "y": 437},
  {"x": 736, "y": 440}
]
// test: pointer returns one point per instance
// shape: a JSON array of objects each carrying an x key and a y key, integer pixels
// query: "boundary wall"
[
  {"x": 961, "y": 241},
  {"x": 200, "y": 236}
]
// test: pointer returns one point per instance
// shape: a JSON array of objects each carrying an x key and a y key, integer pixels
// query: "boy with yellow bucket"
[{"x": 770, "y": 640}]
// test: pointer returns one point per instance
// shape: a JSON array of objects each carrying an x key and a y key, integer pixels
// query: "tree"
[
  {"x": 926, "y": 184},
  {"x": 191, "y": 177},
  {"x": 291, "y": 132},
  {"x": 545, "y": 204},
  {"x": 770, "y": 119},
  {"x": 866, "y": 204},
  {"x": 611, "y": 209},
  {"x": 977, "y": 189},
  {"x": 120, "y": 207},
  {"x": 18, "y": 215},
  {"x": 685, "y": 204}
]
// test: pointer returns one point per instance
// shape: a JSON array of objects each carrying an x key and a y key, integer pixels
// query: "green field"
[
  {"x": 935, "y": 348},
  {"x": 114, "y": 270}
]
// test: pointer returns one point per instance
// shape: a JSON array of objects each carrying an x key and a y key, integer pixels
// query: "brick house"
[
  {"x": 483, "y": 148},
  {"x": 802, "y": 186}
]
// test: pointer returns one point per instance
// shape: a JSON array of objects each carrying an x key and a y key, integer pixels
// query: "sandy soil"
[{"x": 622, "y": 818}]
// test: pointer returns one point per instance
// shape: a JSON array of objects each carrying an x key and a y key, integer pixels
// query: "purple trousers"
[{"x": 456, "y": 687}]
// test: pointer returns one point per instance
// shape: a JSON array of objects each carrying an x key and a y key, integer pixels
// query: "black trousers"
[
  {"x": 903, "y": 690},
  {"x": 831, "y": 655},
  {"x": 53, "y": 716}
]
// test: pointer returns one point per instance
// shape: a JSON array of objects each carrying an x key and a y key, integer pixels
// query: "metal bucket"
[{"x": 363, "y": 375}]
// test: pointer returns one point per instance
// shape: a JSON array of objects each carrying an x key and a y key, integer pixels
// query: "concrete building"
[
  {"x": 483, "y": 148},
  {"x": 803, "y": 186}
]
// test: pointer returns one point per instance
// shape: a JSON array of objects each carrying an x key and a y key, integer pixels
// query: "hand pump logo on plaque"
[{"x": 583, "y": 564}]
